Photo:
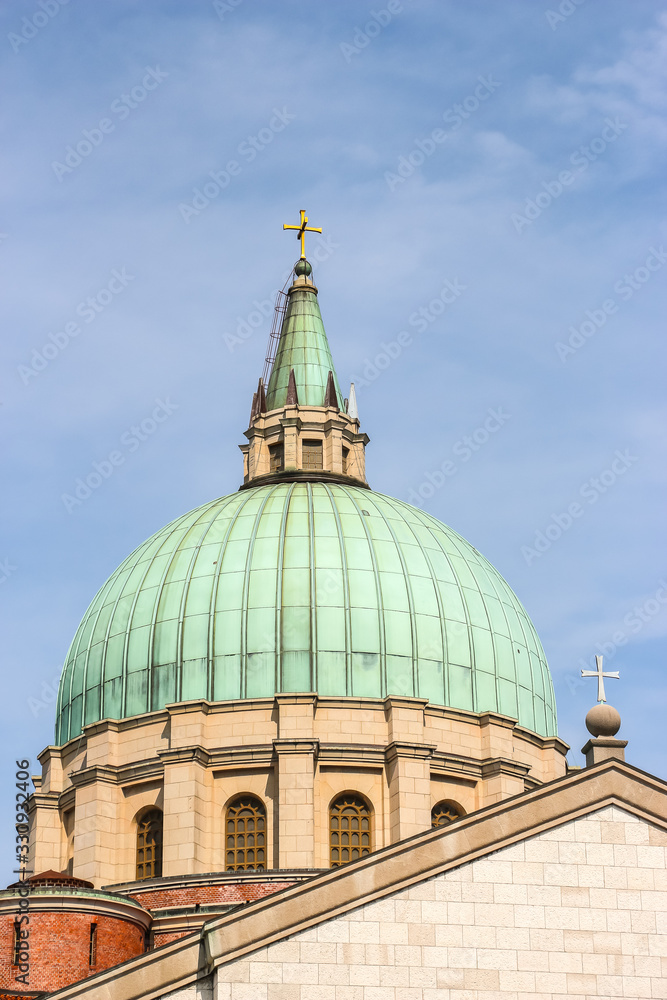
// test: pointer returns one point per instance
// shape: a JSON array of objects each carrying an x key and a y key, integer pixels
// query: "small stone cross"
[{"x": 600, "y": 674}]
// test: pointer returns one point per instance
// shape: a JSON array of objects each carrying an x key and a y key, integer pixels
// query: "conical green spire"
[{"x": 303, "y": 348}]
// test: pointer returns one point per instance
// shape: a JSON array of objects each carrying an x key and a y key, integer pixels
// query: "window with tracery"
[
  {"x": 444, "y": 813},
  {"x": 245, "y": 826},
  {"x": 311, "y": 455},
  {"x": 350, "y": 829},
  {"x": 149, "y": 845}
]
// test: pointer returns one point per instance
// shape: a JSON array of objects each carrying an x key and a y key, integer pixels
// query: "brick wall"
[
  {"x": 160, "y": 939},
  {"x": 208, "y": 895},
  {"x": 59, "y": 948}
]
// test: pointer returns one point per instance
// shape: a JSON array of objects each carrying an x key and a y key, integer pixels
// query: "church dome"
[{"x": 305, "y": 586}]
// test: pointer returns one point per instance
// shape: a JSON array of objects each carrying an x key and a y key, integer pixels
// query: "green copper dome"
[{"x": 305, "y": 587}]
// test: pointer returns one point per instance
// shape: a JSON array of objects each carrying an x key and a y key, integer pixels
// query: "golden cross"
[{"x": 302, "y": 229}]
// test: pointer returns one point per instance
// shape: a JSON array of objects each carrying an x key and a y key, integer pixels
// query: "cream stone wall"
[
  {"x": 579, "y": 911},
  {"x": 297, "y": 753},
  {"x": 290, "y": 426}
]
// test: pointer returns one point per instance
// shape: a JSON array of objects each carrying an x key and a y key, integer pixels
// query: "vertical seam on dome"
[
  {"x": 532, "y": 672},
  {"x": 378, "y": 590},
  {"x": 59, "y": 703},
  {"x": 215, "y": 587},
  {"x": 80, "y": 632},
  {"x": 514, "y": 661},
  {"x": 126, "y": 562},
  {"x": 550, "y": 717},
  {"x": 72, "y": 660},
  {"x": 279, "y": 590},
  {"x": 313, "y": 610},
  {"x": 496, "y": 655},
  {"x": 153, "y": 627},
  {"x": 126, "y": 644},
  {"x": 244, "y": 599},
  {"x": 105, "y": 641},
  {"x": 441, "y": 609},
  {"x": 186, "y": 587},
  {"x": 161, "y": 585},
  {"x": 411, "y": 602},
  {"x": 346, "y": 593},
  {"x": 423, "y": 518},
  {"x": 166, "y": 531}
]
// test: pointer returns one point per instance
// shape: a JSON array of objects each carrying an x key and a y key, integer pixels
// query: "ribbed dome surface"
[
  {"x": 305, "y": 587},
  {"x": 304, "y": 348}
]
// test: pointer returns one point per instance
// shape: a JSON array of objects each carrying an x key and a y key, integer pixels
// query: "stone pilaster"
[
  {"x": 296, "y": 752},
  {"x": 98, "y": 808},
  {"x": 187, "y": 807},
  {"x": 291, "y": 426},
  {"x": 408, "y": 768},
  {"x": 503, "y": 779},
  {"x": 46, "y": 833}
]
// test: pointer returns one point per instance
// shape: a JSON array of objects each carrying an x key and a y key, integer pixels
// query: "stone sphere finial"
[{"x": 603, "y": 720}]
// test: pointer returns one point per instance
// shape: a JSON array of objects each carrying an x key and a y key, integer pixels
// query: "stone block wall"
[{"x": 579, "y": 911}]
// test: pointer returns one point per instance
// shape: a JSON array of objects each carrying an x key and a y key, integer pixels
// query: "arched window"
[
  {"x": 149, "y": 845},
  {"x": 246, "y": 835},
  {"x": 444, "y": 813},
  {"x": 350, "y": 832}
]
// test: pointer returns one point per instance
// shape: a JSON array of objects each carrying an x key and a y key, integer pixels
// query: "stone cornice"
[
  {"x": 302, "y": 476},
  {"x": 261, "y": 755},
  {"x": 78, "y": 901},
  {"x": 357, "y": 755},
  {"x": 122, "y": 725},
  {"x": 169, "y": 882},
  {"x": 494, "y": 766},
  {"x": 185, "y": 755},
  {"x": 50, "y": 752},
  {"x": 242, "y": 757},
  {"x": 296, "y": 698},
  {"x": 118, "y": 774},
  {"x": 495, "y": 719},
  {"x": 296, "y": 746},
  {"x": 43, "y": 800},
  {"x": 414, "y": 751},
  {"x": 163, "y": 716},
  {"x": 456, "y": 766},
  {"x": 218, "y": 707}
]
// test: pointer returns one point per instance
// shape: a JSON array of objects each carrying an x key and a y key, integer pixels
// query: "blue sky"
[{"x": 489, "y": 178}]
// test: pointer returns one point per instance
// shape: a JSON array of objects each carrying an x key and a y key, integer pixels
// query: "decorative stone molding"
[{"x": 296, "y": 752}]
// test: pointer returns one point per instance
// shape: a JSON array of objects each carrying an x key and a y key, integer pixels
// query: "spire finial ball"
[
  {"x": 303, "y": 267},
  {"x": 603, "y": 720}
]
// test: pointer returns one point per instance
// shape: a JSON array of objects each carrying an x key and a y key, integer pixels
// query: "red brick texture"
[
  {"x": 160, "y": 939},
  {"x": 207, "y": 895},
  {"x": 59, "y": 948}
]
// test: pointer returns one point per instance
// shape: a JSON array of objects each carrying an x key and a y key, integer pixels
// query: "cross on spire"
[
  {"x": 600, "y": 674},
  {"x": 302, "y": 229}
]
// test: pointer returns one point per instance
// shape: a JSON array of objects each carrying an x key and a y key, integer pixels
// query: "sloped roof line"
[{"x": 388, "y": 870}]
